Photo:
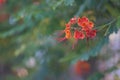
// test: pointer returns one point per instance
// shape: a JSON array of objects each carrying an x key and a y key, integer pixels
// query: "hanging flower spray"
[{"x": 84, "y": 29}]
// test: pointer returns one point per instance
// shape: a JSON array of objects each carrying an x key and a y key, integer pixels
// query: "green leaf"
[
  {"x": 118, "y": 22},
  {"x": 58, "y": 3},
  {"x": 96, "y": 76},
  {"x": 93, "y": 51},
  {"x": 69, "y": 57},
  {"x": 69, "y": 2},
  {"x": 113, "y": 11}
]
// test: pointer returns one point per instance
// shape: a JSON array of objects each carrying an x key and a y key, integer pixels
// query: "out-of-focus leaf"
[
  {"x": 68, "y": 57},
  {"x": 113, "y": 11},
  {"x": 69, "y": 2},
  {"x": 93, "y": 51},
  {"x": 96, "y": 76},
  {"x": 61, "y": 2},
  {"x": 118, "y": 22}
]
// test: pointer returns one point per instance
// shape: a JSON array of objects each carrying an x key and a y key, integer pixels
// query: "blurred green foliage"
[{"x": 28, "y": 27}]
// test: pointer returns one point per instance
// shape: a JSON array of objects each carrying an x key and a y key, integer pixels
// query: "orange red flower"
[
  {"x": 67, "y": 26},
  {"x": 85, "y": 23},
  {"x": 84, "y": 28},
  {"x": 2, "y": 2},
  {"x": 67, "y": 34},
  {"x": 91, "y": 33},
  {"x": 73, "y": 20},
  {"x": 79, "y": 34},
  {"x": 81, "y": 67}
]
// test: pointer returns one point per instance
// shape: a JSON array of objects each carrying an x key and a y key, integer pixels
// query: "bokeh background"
[{"x": 29, "y": 49}]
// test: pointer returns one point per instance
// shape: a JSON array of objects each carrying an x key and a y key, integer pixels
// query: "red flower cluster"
[
  {"x": 81, "y": 68},
  {"x": 83, "y": 29}
]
